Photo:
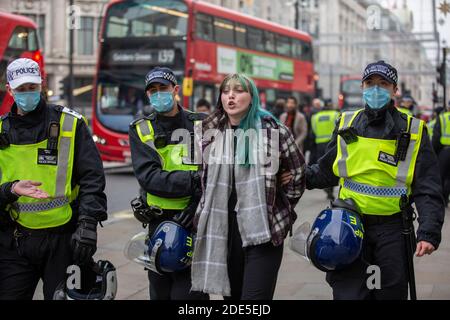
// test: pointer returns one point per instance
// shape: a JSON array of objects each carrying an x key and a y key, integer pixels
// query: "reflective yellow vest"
[
  {"x": 405, "y": 111},
  {"x": 171, "y": 157},
  {"x": 430, "y": 126},
  {"x": 369, "y": 172},
  {"x": 20, "y": 162},
  {"x": 445, "y": 128},
  {"x": 323, "y": 124}
]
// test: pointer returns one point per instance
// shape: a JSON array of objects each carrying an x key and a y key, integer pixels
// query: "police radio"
[{"x": 402, "y": 146}]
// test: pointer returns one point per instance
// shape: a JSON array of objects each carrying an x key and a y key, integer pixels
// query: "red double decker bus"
[
  {"x": 18, "y": 39},
  {"x": 202, "y": 43},
  {"x": 350, "y": 93}
]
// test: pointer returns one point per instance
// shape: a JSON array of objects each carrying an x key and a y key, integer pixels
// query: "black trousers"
[
  {"x": 444, "y": 165},
  {"x": 383, "y": 246},
  {"x": 173, "y": 286},
  {"x": 252, "y": 271},
  {"x": 23, "y": 262}
]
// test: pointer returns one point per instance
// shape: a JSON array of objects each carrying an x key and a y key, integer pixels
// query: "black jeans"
[
  {"x": 173, "y": 286},
  {"x": 383, "y": 246},
  {"x": 23, "y": 262},
  {"x": 252, "y": 271}
]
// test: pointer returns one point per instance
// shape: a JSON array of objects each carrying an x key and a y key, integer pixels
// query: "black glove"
[
  {"x": 84, "y": 240},
  {"x": 186, "y": 217},
  {"x": 196, "y": 186}
]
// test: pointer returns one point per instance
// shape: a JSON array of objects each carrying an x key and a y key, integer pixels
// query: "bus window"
[
  {"x": 224, "y": 31},
  {"x": 241, "y": 35},
  {"x": 23, "y": 39},
  {"x": 297, "y": 49},
  {"x": 130, "y": 19},
  {"x": 283, "y": 45},
  {"x": 204, "y": 28},
  {"x": 307, "y": 52},
  {"x": 269, "y": 40},
  {"x": 255, "y": 39}
]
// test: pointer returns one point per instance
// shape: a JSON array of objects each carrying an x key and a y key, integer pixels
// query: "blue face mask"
[
  {"x": 162, "y": 101},
  {"x": 27, "y": 101},
  {"x": 376, "y": 97}
]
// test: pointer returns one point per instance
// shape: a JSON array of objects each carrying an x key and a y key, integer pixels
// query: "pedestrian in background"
[
  {"x": 203, "y": 106},
  {"x": 278, "y": 108},
  {"x": 441, "y": 145},
  {"x": 295, "y": 121},
  {"x": 244, "y": 216}
]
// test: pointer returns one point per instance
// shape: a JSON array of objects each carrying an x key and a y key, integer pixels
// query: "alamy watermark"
[{"x": 257, "y": 147}]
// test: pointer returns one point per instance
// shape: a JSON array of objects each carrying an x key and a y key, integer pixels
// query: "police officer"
[
  {"x": 441, "y": 145},
  {"x": 51, "y": 189},
  {"x": 407, "y": 105},
  {"x": 322, "y": 127},
  {"x": 377, "y": 154},
  {"x": 168, "y": 183}
]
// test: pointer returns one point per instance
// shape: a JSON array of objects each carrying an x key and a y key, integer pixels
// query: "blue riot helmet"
[
  {"x": 98, "y": 282},
  {"x": 335, "y": 238},
  {"x": 168, "y": 249}
]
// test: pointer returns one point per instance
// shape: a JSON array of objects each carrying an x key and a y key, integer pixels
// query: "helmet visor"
[
  {"x": 136, "y": 250},
  {"x": 299, "y": 241}
]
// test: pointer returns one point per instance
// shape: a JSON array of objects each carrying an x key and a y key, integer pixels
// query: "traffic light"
[
  {"x": 435, "y": 96},
  {"x": 63, "y": 88}
]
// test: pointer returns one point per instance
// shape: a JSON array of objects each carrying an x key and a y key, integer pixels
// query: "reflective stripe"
[
  {"x": 445, "y": 128},
  {"x": 40, "y": 206},
  {"x": 387, "y": 192},
  {"x": 63, "y": 155},
  {"x": 403, "y": 166},
  {"x": 342, "y": 163},
  {"x": 147, "y": 137}
]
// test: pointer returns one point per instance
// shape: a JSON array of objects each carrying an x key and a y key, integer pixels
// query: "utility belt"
[
  {"x": 369, "y": 219},
  {"x": 147, "y": 214},
  {"x": 21, "y": 231}
]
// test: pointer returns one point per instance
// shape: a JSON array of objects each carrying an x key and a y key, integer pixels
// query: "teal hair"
[{"x": 255, "y": 112}]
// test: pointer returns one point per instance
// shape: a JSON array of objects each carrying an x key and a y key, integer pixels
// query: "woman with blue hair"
[{"x": 246, "y": 210}]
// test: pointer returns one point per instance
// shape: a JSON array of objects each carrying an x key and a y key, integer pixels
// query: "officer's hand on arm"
[
  {"x": 424, "y": 248},
  {"x": 84, "y": 240},
  {"x": 186, "y": 217},
  {"x": 29, "y": 189},
  {"x": 285, "y": 177}
]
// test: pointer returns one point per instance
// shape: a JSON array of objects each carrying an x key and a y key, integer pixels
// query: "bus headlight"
[{"x": 99, "y": 140}]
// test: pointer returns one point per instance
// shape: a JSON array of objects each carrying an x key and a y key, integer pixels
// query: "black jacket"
[
  {"x": 87, "y": 168},
  {"x": 147, "y": 165},
  {"x": 426, "y": 187}
]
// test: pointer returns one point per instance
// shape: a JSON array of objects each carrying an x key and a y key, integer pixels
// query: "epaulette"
[
  {"x": 73, "y": 113},
  {"x": 151, "y": 117},
  {"x": 195, "y": 116}
]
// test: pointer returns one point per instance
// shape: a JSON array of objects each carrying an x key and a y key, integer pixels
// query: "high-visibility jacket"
[
  {"x": 51, "y": 167},
  {"x": 444, "y": 119},
  {"x": 323, "y": 124},
  {"x": 405, "y": 111},
  {"x": 430, "y": 126},
  {"x": 171, "y": 157},
  {"x": 369, "y": 171}
]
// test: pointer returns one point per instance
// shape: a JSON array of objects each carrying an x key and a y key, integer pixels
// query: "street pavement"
[{"x": 297, "y": 279}]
